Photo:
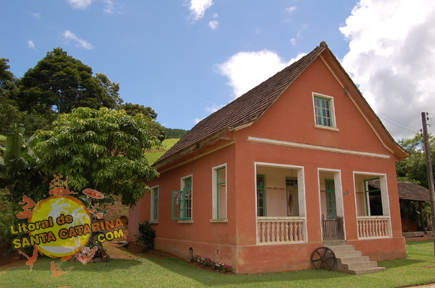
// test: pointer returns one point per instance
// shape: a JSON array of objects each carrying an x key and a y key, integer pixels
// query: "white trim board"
[{"x": 316, "y": 147}]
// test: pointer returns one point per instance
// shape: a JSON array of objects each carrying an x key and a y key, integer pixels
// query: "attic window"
[{"x": 324, "y": 111}]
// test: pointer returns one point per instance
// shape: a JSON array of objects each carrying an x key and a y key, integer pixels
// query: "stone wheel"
[{"x": 323, "y": 258}]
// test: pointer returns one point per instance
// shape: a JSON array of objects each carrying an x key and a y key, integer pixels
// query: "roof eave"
[{"x": 190, "y": 149}]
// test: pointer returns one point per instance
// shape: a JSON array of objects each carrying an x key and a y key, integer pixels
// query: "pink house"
[{"x": 278, "y": 172}]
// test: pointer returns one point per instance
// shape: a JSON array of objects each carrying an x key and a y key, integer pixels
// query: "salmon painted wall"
[{"x": 201, "y": 231}]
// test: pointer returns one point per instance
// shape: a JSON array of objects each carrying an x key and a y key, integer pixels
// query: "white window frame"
[{"x": 214, "y": 194}]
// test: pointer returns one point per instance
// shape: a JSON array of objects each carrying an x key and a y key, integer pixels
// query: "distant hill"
[
  {"x": 175, "y": 133},
  {"x": 156, "y": 153}
]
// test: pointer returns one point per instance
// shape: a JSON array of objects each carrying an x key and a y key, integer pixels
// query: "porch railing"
[
  {"x": 280, "y": 230},
  {"x": 373, "y": 226}
]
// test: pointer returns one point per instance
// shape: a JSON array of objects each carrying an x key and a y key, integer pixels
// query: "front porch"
[
  {"x": 373, "y": 207},
  {"x": 280, "y": 199}
]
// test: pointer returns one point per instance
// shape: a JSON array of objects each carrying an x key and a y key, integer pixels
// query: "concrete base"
[{"x": 351, "y": 261}]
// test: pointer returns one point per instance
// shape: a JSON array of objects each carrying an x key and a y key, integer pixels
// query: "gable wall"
[{"x": 291, "y": 117}]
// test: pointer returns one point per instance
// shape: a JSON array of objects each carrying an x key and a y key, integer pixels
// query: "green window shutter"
[
  {"x": 155, "y": 204},
  {"x": 261, "y": 196},
  {"x": 178, "y": 205},
  {"x": 330, "y": 198}
]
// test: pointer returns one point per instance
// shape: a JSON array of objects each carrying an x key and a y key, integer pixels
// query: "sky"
[{"x": 187, "y": 58}]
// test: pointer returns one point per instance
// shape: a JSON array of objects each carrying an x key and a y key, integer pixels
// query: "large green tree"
[
  {"x": 133, "y": 109},
  {"x": 7, "y": 80},
  {"x": 100, "y": 149},
  {"x": 148, "y": 112},
  {"x": 413, "y": 168},
  {"x": 62, "y": 83}
]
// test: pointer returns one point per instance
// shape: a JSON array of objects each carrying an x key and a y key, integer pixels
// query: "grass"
[
  {"x": 153, "y": 155},
  {"x": 417, "y": 268}
]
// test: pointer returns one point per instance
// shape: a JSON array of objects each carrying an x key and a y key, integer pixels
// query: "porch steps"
[{"x": 351, "y": 261}]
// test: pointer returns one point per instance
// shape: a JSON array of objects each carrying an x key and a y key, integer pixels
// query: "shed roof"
[{"x": 407, "y": 190}]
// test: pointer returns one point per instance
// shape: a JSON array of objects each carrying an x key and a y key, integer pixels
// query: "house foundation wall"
[
  {"x": 381, "y": 249},
  {"x": 181, "y": 248}
]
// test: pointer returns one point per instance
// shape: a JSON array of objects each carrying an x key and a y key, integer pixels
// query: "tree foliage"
[
  {"x": 19, "y": 172},
  {"x": 62, "y": 82},
  {"x": 413, "y": 169},
  {"x": 133, "y": 109},
  {"x": 8, "y": 82},
  {"x": 100, "y": 149},
  {"x": 175, "y": 133}
]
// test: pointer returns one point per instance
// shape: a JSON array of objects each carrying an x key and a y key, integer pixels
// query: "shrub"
[
  {"x": 8, "y": 212},
  {"x": 145, "y": 235},
  {"x": 207, "y": 262}
]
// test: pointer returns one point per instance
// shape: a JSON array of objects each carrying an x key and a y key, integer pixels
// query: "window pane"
[
  {"x": 221, "y": 176},
  {"x": 259, "y": 181},
  {"x": 222, "y": 201},
  {"x": 322, "y": 111},
  {"x": 188, "y": 198},
  {"x": 260, "y": 202},
  {"x": 155, "y": 199}
]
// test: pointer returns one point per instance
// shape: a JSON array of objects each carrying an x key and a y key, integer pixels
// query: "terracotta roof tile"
[{"x": 248, "y": 107}]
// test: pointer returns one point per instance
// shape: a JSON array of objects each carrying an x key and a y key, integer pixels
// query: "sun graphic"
[{"x": 55, "y": 207}]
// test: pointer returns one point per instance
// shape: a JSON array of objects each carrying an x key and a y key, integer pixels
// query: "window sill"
[
  {"x": 218, "y": 220},
  {"x": 326, "y": 127},
  {"x": 185, "y": 221},
  {"x": 154, "y": 222}
]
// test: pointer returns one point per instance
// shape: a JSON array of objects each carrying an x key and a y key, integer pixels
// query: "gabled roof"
[
  {"x": 407, "y": 191},
  {"x": 250, "y": 106}
]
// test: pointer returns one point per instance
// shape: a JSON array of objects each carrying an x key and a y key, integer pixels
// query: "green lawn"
[
  {"x": 418, "y": 268},
  {"x": 157, "y": 153}
]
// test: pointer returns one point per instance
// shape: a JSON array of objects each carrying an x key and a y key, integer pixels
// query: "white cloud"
[
  {"x": 110, "y": 7},
  {"x": 213, "y": 24},
  {"x": 245, "y": 70},
  {"x": 79, "y": 4},
  {"x": 78, "y": 42},
  {"x": 257, "y": 31},
  {"x": 197, "y": 120},
  {"x": 30, "y": 44},
  {"x": 290, "y": 9},
  {"x": 392, "y": 59},
  {"x": 213, "y": 108},
  {"x": 293, "y": 40},
  {"x": 197, "y": 8},
  {"x": 36, "y": 15}
]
